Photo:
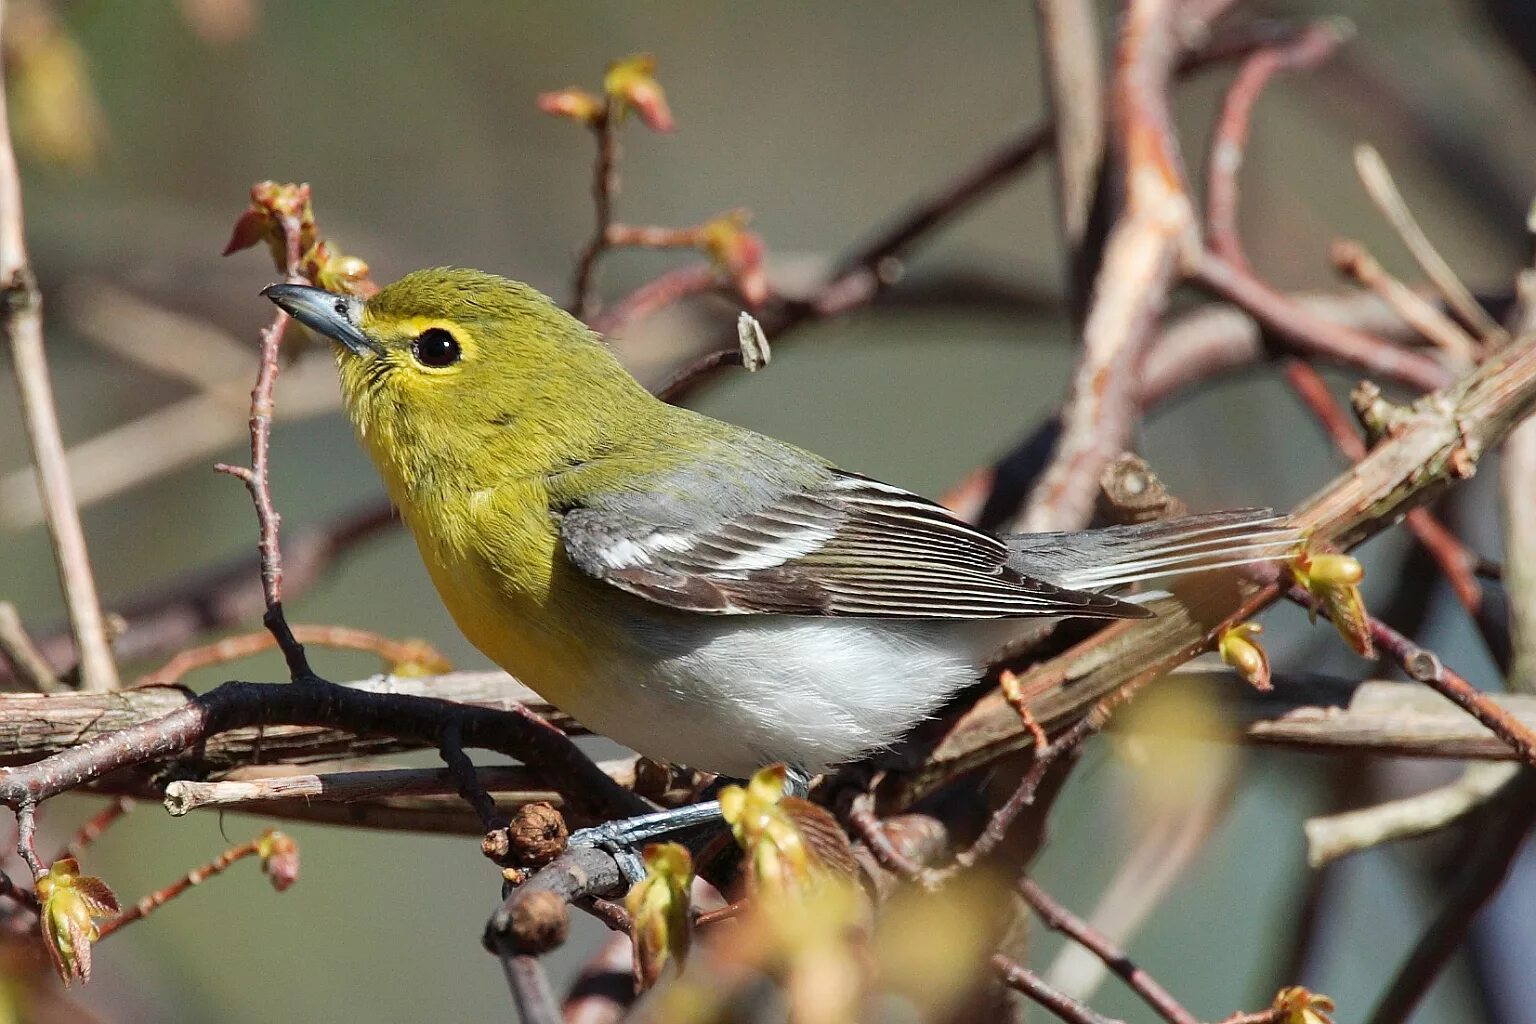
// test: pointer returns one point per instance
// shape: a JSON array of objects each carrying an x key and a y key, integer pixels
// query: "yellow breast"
[{"x": 496, "y": 561}]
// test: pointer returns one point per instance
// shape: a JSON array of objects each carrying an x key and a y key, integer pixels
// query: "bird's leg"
[{"x": 624, "y": 837}]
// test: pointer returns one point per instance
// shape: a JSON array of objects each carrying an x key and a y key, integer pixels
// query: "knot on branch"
[
  {"x": 532, "y": 925},
  {"x": 20, "y": 294},
  {"x": 535, "y": 837}
]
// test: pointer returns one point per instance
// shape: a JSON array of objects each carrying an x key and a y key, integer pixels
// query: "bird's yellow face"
[{"x": 456, "y": 377}]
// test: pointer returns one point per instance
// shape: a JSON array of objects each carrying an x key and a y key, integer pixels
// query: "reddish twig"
[
  {"x": 256, "y": 476},
  {"x": 1426, "y": 667},
  {"x": 656, "y": 294},
  {"x": 21, "y": 322},
  {"x": 1059, "y": 918},
  {"x": 605, "y": 185},
  {"x": 531, "y": 993},
  {"x": 92, "y": 828},
  {"x": 417, "y": 653},
  {"x": 1313, "y": 45},
  {"x": 160, "y": 897},
  {"x": 1020, "y": 978},
  {"x": 1024, "y": 794}
]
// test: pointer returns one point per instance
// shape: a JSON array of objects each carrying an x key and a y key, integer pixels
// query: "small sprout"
[
  {"x": 1239, "y": 647},
  {"x": 575, "y": 103},
  {"x": 279, "y": 858},
  {"x": 70, "y": 903},
  {"x": 660, "y": 921},
  {"x": 737, "y": 252},
  {"x": 277, "y": 209},
  {"x": 1301, "y": 1006},
  {"x": 631, "y": 85},
  {"x": 1333, "y": 581},
  {"x": 777, "y": 853}
]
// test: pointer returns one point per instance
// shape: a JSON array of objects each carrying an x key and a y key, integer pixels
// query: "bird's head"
[{"x": 450, "y": 366}]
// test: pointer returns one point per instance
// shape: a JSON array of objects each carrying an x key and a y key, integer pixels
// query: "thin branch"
[
  {"x": 93, "y": 827},
  {"x": 1426, "y": 667},
  {"x": 1020, "y": 978},
  {"x": 516, "y": 784},
  {"x": 1059, "y": 918},
  {"x": 160, "y": 897},
  {"x": 1384, "y": 193},
  {"x": 605, "y": 185},
  {"x": 1453, "y": 558},
  {"x": 1501, "y": 830},
  {"x": 21, "y": 321},
  {"x": 1332, "y": 836},
  {"x": 1309, "y": 48},
  {"x": 418, "y": 654},
  {"x": 27, "y": 664},
  {"x": 1069, "y": 41},
  {"x": 531, "y": 993},
  {"x": 1427, "y": 319},
  {"x": 256, "y": 477}
]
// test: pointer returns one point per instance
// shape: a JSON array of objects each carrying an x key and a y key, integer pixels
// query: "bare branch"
[{"x": 21, "y": 321}]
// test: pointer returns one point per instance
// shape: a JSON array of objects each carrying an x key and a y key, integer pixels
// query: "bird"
[{"x": 702, "y": 593}]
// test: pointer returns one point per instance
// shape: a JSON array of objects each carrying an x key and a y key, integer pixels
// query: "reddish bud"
[
  {"x": 631, "y": 84},
  {"x": 738, "y": 253},
  {"x": 575, "y": 103},
  {"x": 279, "y": 858}
]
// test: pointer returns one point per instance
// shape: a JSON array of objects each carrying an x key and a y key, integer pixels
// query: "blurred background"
[{"x": 142, "y": 127}]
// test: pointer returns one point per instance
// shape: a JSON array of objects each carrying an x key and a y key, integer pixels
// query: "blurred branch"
[
  {"x": 1337, "y": 835},
  {"x": 1069, "y": 40},
  {"x": 406, "y": 657},
  {"x": 1141, "y": 257},
  {"x": 1059, "y": 918},
  {"x": 17, "y": 652},
  {"x": 21, "y": 321},
  {"x": 1500, "y": 831}
]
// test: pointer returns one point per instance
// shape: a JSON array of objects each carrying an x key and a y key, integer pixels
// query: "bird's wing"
[{"x": 837, "y": 545}]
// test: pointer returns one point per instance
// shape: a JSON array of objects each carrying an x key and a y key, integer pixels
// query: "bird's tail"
[{"x": 1106, "y": 559}]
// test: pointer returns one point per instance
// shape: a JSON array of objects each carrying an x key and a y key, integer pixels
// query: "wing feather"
[{"x": 843, "y": 545}]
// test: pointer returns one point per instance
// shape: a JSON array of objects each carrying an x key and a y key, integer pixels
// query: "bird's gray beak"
[{"x": 327, "y": 313}]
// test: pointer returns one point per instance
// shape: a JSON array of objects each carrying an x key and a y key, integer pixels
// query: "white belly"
[{"x": 730, "y": 694}]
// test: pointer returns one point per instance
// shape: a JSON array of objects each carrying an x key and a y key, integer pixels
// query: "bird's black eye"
[{"x": 436, "y": 348}]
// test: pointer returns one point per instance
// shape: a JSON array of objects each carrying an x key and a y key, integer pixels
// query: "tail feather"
[{"x": 1117, "y": 556}]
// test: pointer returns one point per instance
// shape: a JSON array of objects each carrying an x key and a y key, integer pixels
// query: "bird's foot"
[{"x": 624, "y": 837}]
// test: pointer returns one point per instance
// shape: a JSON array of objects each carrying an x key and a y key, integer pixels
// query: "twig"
[
  {"x": 605, "y": 184},
  {"x": 417, "y": 653},
  {"x": 1069, "y": 40},
  {"x": 1313, "y": 45},
  {"x": 1433, "y": 325},
  {"x": 1020, "y": 978},
  {"x": 656, "y": 294},
  {"x": 1332, "y": 836},
  {"x": 21, "y": 320},
  {"x": 1059, "y": 918},
  {"x": 1424, "y": 666},
  {"x": 256, "y": 477},
  {"x": 1384, "y": 193},
  {"x": 515, "y": 783},
  {"x": 1453, "y": 558},
  {"x": 160, "y": 897},
  {"x": 534, "y": 917},
  {"x": 531, "y": 993},
  {"x": 27, "y": 664},
  {"x": 1501, "y": 830},
  {"x": 1517, "y": 497},
  {"x": 1141, "y": 258},
  {"x": 92, "y": 828}
]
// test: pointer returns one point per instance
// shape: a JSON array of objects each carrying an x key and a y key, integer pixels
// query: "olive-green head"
[{"x": 457, "y": 368}]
